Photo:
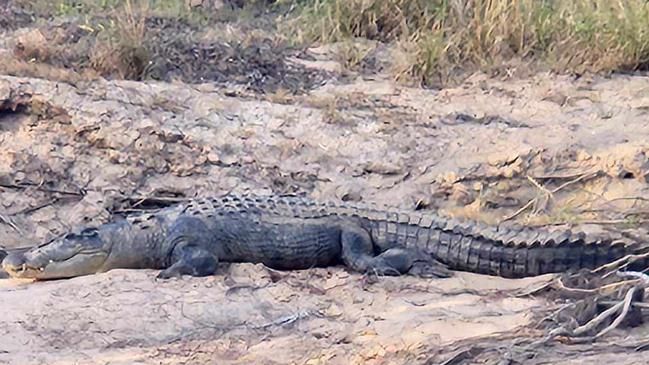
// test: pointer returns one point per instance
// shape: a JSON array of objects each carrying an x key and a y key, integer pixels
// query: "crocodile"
[{"x": 289, "y": 232}]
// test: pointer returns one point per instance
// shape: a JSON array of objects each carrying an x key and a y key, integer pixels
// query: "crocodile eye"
[
  {"x": 86, "y": 232},
  {"x": 89, "y": 230}
]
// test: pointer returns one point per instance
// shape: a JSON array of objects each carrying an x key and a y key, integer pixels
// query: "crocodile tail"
[{"x": 492, "y": 257}]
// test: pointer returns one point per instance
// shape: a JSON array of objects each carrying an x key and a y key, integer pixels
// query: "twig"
[
  {"x": 590, "y": 221},
  {"x": 625, "y": 261},
  {"x": 23, "y": 186},
  {"x": 641, "y": 305},
  {"x": 129, "y": 211},
  {"x": 562, "y": 177},
  {"x": 554, "y": 314},
  {"x": 634, "y": 274},
  {"x": 10, "y": 223},
  {"x": 576, "y": 180},
  {"x": 519, "y": 211},
  {"x": 282, "y": 321},
  {"x": 29, "y": 210},
  {"x": 601, "y": 289},
  {"x": 597, "y": 320},
  {"x": 549, "y": 193},
  {"x": 619, "y": 309},
  {"x": 630, "y": 198},
  {"x": 538, "y": 185},
  {"x": 615, "y": 221},
  {"x": 628, "y": 298},
  {"x": 145, "y": 199}
]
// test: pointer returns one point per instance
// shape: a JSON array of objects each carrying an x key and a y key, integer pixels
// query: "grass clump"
[
  {"x": 113, "y": 45},
  {"x": 437, "y": 39},
  {"x": 121, "y": 50}
]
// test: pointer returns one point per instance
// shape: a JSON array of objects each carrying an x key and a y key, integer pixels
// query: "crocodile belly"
[{"x": 286, "y": 243}]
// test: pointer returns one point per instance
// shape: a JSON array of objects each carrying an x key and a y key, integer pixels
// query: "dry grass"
[
  {"x": 118, "y": 42},
  {"x": 114, "y": 44},
  {"x": 351, "y": 54},
  {"x": 436, "y": 38},
  {"x": 122, "y": 52},
  {"x": 118, "y": 48},
  {"x": 432, "y": 41}
]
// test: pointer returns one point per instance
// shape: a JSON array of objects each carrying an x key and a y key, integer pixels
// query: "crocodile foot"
[{"x": 430, "y": 269}]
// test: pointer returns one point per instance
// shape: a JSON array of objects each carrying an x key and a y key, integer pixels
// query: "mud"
[{"x": 548, "y": 150}]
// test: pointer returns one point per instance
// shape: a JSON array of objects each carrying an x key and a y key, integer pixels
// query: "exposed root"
[
  {"x": 620, "y": 263},
  {"x": 10, "y": 223},
  {"x": 622, "y": 307},
  {"x": 603, "y": 308}
]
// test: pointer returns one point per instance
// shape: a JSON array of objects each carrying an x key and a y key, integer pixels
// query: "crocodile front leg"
[
  {"x": 189, "y": 239},
  {"x": 358, "y": 254}
]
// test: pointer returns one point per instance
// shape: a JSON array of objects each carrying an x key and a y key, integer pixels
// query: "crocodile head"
[{"x": 73, "y": 255}]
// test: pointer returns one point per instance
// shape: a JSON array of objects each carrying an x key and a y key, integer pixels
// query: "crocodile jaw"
[
  {"x": 81, "y": 264},
  {"x": 74, "y": 255}
]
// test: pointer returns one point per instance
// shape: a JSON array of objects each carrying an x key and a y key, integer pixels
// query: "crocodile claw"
[{"x": 428, "y": 269}]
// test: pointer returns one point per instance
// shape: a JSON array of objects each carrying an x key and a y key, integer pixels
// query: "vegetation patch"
[
  {"x": 425, "y": 42},
  {"x": 161, "y": 40},
  {"x": 437, "y": 40}
]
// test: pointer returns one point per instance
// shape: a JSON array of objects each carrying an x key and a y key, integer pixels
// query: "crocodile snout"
[
  {"x": 73, "y": 255},
  {"x": 14, "y": 264}
]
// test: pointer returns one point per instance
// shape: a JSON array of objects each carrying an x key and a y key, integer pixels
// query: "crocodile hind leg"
[
  {"x": 358, "y": 254},
  {"x": 190, "y": 255}
]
